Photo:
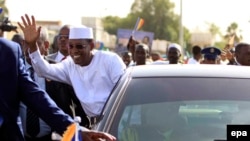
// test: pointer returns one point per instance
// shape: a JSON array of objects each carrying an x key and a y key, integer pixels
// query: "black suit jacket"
[{"x": 16, "y": 86}]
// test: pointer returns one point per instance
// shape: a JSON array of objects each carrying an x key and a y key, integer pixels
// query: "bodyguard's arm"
[{"x": 39, "y": 101}]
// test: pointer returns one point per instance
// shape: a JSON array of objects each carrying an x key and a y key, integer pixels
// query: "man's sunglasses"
[
  {"x": 79, "y": 46},
  {"x": 63, "y": 36}
]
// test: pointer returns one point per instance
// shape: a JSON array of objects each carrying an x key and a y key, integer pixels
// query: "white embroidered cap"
[
  {"x": 174, "y": 45},
  {"x": 81, "y": 32}
]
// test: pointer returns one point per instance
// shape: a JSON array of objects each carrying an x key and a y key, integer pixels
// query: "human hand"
[
  {"x": 131, "y": 45},
  {"x": 30, "y": 31},
  {"x": 132, "y": 41},
  {"x": 97, "y": 136},
  {"x": 229, "y": 55},
  {"x": 86, "y": 134},
  {"x": 227, "y": 47}
]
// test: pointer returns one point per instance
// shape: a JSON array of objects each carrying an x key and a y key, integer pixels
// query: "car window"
[
  {"x": 182, "y": 108},
  {"x": 181, "y": 120}
]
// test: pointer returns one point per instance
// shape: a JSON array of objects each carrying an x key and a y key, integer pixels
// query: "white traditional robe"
[{"x": 92, "y": 84}]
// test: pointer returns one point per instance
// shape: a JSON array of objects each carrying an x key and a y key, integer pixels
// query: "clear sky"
[
  {"x": 195, "y": 12},
  {"x": 69, "y": 11}
]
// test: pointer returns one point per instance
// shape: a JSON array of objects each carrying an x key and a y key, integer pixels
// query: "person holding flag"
[{"x": 132, "y": 41}]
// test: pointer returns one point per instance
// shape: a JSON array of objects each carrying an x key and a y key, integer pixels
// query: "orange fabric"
[
  {"x": 140, "y": 24},
  {"x": 70, "y": 132}
]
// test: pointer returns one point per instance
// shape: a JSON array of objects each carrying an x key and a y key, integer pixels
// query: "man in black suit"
[
  {"x": 42, "y": 131},
  {"x": 16, "y": 86}
]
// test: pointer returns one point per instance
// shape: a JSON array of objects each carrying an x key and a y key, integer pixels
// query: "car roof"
[{"x": 188, "y": 70}]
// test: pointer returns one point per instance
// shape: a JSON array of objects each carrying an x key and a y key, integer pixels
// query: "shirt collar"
[{"x": 59, "y": 56}]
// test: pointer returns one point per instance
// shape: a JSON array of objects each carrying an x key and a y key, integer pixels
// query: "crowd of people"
[
  {"x": 49, "y": 86},
  {"x": 138, "y": 54}
]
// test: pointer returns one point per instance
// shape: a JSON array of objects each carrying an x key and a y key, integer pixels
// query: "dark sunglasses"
[
  {"x": 63, "y": 36},
  {"x": 79, "y": 46}
]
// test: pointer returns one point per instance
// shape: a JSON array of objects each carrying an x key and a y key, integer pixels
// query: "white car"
[{"x": 177, "y": 103}]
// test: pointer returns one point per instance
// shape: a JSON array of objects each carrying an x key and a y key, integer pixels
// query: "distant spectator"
[
  {"x": 155, "y": 56},
  {"x": 126, "y": 57},
  {"x": 196, "y": 51},
  {"x": 54, "y": 45},
  {"x": 141, "y": 54},
  {"x": 173, "y": 53},
  {"x": 18, "y": 38},
  {"x": 210, "y": 55},
  {"x": 223, "y": 58}
]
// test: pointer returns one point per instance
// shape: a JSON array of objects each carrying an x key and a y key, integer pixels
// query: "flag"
[
  {"x": 72, "y": 133},
  {"x": 139, "y": 23}
]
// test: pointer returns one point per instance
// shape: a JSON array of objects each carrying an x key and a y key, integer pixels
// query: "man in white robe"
[{"x": 93, "y": 74}]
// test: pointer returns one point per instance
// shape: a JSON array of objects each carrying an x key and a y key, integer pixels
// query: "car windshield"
[{"x": 181, "y": 109}]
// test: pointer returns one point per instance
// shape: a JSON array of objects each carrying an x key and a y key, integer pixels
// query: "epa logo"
[{"x": 238, "y": 134}]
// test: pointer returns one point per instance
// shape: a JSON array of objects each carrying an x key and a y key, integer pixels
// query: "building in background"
[
  {"x": 201, "y": 38},
  {"x": 160, "y": 46}
]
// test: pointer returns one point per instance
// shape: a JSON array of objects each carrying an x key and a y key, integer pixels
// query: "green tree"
[
  {"x": 159, "y": 18},
  {"x": 111, "y": 24},
  {"x": 214, "y": 30}
]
